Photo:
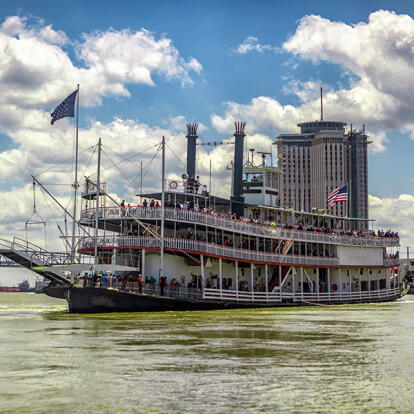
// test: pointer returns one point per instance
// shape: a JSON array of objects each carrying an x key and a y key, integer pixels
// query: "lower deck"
[
  {"x": 216, "y": 279},
  {"x": 97, "y": 299}
]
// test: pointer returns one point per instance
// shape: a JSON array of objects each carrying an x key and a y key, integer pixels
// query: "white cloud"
[
  {"x": 396, "y": 214},
  {"x": 377, "y": 59},
  {"x": 380, "y": 56},
  {"x": 109, "y": 61},
  {"x": 36, "y": 72},
  {"x": 262, "y": 113},
  {"x": 252, "y": 44},
  {"x": 35, "y": 69},
  {"x": 125, "y": 144},
  {"x": 378, "y": 141}
]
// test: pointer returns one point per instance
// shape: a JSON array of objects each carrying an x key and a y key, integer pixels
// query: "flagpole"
[
  {"x": 161, "y": 272},
  {"x": 75, "y": 184}
]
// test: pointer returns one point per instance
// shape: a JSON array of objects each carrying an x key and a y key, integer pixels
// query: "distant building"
[
  {"x": 357, "y": 164},
  {"x": 318, "y": 160}
]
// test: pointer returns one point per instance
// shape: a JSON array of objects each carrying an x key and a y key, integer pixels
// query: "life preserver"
[{"x": 173, "y": 185}]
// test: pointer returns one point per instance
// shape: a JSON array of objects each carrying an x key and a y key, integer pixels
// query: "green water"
[{"x": 344, "y": 359}]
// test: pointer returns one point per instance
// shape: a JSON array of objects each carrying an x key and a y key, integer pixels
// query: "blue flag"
[{"x": 65, "y": 109}]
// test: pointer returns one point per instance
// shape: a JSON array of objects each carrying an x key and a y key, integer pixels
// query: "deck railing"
[
  {"x": 261, "y": 230},
  {"x": 36, "y": 254},
  {"x": 254, "y": 297},
  {"x": 231, "y": 295},
  {"x": 196, "y": 246},
  {"x": 148, "y": 288}
]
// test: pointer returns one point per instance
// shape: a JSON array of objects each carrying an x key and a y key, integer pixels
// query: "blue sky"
[
  {"x": 276, "y": 68},
  {"x": 209, "y": 31}
]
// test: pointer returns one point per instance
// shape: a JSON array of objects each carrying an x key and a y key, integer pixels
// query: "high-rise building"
[
  {"x": 318, "y": 160},
  {"x": 356, "y": 149}
]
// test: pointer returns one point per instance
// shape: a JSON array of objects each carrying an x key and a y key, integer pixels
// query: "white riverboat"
[{"x": 195, "y": 250}]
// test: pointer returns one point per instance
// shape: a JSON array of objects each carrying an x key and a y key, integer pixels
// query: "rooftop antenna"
[
  {"x": 264, "y": 157},
  {"x": 252, "y": 152},
  {"x": 321, "y": 105}
]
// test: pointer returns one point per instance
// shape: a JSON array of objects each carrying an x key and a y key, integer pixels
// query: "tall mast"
[
  {"x": 321, "y": 105},
  {"x": 141, "y": 183},
  {"x": 162, "y": 210},
  {"x": 75, "y": 184},
  {"x": 98, "y": 192}
]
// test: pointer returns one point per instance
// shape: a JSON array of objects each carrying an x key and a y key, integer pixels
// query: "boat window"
[{"x": 253, "y": 179}]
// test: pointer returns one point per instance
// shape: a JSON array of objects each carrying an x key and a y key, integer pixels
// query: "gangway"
[{"x": 36, "y": 258}]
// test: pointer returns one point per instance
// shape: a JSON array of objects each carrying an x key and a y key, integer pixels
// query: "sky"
[{"x": 146, "y": 68}]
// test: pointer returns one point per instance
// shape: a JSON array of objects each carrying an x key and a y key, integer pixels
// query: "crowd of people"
[{"x": 322, "y": 227}]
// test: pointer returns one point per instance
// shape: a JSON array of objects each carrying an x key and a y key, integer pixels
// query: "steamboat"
[{"x": 183, "y": 248}]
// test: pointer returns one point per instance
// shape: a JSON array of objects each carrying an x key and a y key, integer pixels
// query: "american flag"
[
  {"x": 339, "y": 194},
  {"x": 65, "y": 108}
]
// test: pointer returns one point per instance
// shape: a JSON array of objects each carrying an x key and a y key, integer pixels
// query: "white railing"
[
  {"x": 234, "y": 296},
  {"x": 38, "y": 255},
  {"x": 191, "y": 216},
  {"x": 195, "y": 246}
]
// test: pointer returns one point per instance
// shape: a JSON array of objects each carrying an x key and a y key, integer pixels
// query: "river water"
[{"x": 322, "y": 359}]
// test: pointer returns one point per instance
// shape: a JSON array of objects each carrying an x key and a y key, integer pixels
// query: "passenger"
[
  {"x": 163, "y": 285},
  {"x": 104, "y": 279},
  {"x": 196, "y": 184},
  {"x": 140, "y": 283}
]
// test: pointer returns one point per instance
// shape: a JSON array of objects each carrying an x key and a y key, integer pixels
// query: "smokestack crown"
[
  {"x": 239, "y": 128},
  {"x": 192, "y": 130}
]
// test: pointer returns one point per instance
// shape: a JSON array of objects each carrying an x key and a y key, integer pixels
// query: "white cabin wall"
[
  {"x": 174, "y": 268},
  {"x": 360, "y": 256}
]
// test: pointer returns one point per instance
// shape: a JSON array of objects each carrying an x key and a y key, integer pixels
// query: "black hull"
[{"x": 94, "y": 300}]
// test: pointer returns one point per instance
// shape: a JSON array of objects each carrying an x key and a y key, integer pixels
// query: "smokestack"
[
  {"x": 191, "y": 149},
  {"x": 237, "y": 205}
]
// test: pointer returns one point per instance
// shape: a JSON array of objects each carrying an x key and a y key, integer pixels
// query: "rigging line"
[
  {"x": 48, "y": 203},
  {"x": 63, "y": 161},
  {"x": 133, "y": 180},
  {"x": 89, "y": 161},
  {"x": 49, "y": 206},
  {"x": 176, "y": 156},
  {"x": 146, "y": 169},
  {"x": 149, "y": 163},
  {"x": 117, "y": 168},
  {"x": 83, "y": 173},
  {"x": 123, "y": 158},
  {"x": 128, "y": 159},
  {"x": 114, "y": 164}
]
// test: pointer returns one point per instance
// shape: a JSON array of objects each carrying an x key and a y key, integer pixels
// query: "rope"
[
  {"x": 176, "y": 156},
  {"x": 83, "y": 173},
  {"x": 117, "y": 168},
  {"x": 63, "y": 161},
  {"x": 128, "y": 159},
  {"x": 145, "y": 170}
]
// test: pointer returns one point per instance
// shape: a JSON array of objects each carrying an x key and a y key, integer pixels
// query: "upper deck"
[{"x": 243, "y": 226}]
